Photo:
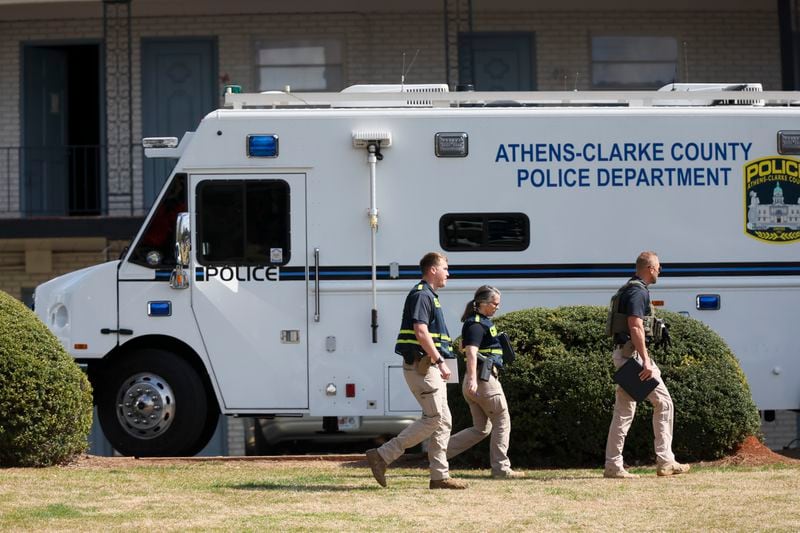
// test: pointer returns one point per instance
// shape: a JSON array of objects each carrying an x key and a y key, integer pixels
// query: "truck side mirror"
[
  {"x": 183, "y": 248},
  {"x": 183, "y": 240}
]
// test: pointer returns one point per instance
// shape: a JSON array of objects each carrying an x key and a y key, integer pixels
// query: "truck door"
[{"x": 249, "y": 292}]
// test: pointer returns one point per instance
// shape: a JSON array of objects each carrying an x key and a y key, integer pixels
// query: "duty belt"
[
  {"x": 413, "y": 357},
  {"x": 620, "y": 345}
]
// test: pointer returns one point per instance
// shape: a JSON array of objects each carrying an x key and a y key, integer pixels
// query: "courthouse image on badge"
[{"x": 772, "y": 199}]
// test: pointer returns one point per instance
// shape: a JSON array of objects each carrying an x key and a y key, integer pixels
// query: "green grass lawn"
[{"x": 328, "y": 496}]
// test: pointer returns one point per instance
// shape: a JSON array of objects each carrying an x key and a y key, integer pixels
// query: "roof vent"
[
  {"x": 711, "y": 87},
  {"x": 418, "y": 100}
]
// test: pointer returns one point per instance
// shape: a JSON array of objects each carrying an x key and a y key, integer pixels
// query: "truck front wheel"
[{"x": 154, "y": 403}]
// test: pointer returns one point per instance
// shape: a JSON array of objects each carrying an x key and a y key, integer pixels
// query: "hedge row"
[{"x": 561, "y": 392}]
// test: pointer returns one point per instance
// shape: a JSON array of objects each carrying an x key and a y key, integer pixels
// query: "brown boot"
[
  {"x": 378, "y": 466},
  {"x": 448, "y": 483},
  {"x": 619, "y": 474},
  {"x": 672, "y": 469}
]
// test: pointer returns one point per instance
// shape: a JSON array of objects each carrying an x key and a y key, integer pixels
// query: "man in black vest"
[
  {"x": 630, "y": 340},
  {"x": 424, "y": 343}
]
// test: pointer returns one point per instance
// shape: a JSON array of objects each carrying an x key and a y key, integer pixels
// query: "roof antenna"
[
  {"x": 406, "y": 70},
  {"x": 686, "y": 60}
]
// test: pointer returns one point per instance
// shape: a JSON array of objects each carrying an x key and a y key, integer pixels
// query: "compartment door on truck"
[{"x": 249, "y": 293}]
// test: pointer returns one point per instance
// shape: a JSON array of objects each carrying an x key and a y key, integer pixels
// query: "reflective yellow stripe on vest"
[{"x": 407, "y": 336}]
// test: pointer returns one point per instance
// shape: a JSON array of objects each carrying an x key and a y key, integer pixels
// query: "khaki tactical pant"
[
  {"x": 489, "y": 416},
  {"x": 431, "y": 393},
  {"x": 625, "y": 409}
]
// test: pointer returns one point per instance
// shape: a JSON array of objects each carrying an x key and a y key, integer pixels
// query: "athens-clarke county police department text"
[{"x": 623, "y": 164}]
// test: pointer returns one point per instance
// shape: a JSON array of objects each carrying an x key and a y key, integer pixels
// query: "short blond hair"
[
  {"x": 645, "y": 259},
  {"x": 431, "y": 259}
]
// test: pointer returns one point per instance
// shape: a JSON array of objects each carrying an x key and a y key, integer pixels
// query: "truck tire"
[{"x": 152, "y": 403}]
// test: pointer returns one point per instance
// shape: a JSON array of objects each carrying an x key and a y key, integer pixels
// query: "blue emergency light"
[
  {"x": 262, "y": 145},
  {"x": 160, "y": 308},
  {"x": 707, "y": 302}
]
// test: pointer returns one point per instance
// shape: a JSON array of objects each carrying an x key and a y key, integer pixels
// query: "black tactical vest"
[
  {"x": 490, "y": 344},
  {"x": 617, "y": 323},
  {"x": 406, "y": 340}
]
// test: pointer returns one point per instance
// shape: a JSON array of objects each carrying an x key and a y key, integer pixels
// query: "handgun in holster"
[
  {"x": 410, "y": 357},
  {"x": 487, "y": 364}
]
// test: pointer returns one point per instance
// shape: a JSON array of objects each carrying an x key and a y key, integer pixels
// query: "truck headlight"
[{"x": 59, "y": 316}]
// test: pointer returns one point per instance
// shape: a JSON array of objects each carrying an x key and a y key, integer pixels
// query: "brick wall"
[
  {"x": 740, "y": 46},
  {"x": 783, "y": 431},
  {"x": 736, "y": 47},
  {"x": 25, "y": 263}
]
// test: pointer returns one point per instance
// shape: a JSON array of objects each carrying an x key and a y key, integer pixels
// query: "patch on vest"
[{"x": 772, "y": 199}]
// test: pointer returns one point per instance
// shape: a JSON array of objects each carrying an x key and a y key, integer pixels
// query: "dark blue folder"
[{"x": 627, "y": 377}]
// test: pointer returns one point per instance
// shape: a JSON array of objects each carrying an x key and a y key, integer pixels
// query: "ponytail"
[{"x": 469, "y": 310}]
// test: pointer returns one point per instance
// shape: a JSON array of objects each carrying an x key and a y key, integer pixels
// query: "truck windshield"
[{"x": 156, "y": 248}]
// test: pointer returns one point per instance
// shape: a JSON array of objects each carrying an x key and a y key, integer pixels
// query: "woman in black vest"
[{"x": 486, "y": 399}]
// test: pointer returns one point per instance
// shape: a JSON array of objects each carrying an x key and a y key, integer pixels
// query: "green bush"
[
  {"x": 561, "y": 392},
  {"x": 45, "y": 398}
]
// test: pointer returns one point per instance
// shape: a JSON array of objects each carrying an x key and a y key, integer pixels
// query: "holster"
[
  {"x": 423, "y": 365},
  {"x": 485, "y": 371}
]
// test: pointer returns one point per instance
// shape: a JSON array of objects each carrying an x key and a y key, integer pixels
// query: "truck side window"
[
  {"x": 484, "y": 232},
  {"x": 156, "y": 248},
  {"x": 243, "y": 222}
]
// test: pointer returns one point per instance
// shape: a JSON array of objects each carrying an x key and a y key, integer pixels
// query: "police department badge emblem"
[{"x": 772, "y": 199}]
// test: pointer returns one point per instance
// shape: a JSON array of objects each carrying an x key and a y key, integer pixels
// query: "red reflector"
[
  {"x": 658, "y": 303},
  {"x": 350, "y": 390},
  {"x": 80, "y": 346}
]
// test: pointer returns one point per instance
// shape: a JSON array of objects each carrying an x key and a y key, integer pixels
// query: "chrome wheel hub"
[{"x": 145, "y": 405}]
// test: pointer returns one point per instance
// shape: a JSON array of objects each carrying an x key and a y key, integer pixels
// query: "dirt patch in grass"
[
  {"x": 409, "y": 460},
  {"x": 750, "y": 453},
  {"x": 95, "y": 461},
  {"x": 753, "y": 453}
]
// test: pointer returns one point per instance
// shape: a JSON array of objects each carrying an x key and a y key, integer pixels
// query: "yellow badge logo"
[{"x": 772, "y": 199}]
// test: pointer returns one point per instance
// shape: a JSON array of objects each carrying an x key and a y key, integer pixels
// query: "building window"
[
  {"x": 302, "y": 64},
  {"x": 243, "y": 222},
  {"x": 484, "y": 232},
  {"x": 634, "y": 62}
]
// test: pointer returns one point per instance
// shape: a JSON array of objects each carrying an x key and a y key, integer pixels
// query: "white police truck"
[{"x": 269, "y": 276}]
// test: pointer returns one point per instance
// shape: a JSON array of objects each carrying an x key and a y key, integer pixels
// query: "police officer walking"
[
  {"x": 424, "y": 342},
  {"x": 631, "y": 319},
  {"x": 482, "y": 389}
]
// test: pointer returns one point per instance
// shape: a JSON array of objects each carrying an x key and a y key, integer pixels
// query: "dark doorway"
[
  {"x": 497, "y": 61},
  {"x": 61, "y": 151},
  {"x": 179, "y": 83}
]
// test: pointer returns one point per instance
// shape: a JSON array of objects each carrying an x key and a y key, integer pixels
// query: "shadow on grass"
[
  {"x": 464, "y": 471},
  {"x": 408, "y": 460},
  {"x": 530, "y": 476},
  {"x": 267, "y": 486}
]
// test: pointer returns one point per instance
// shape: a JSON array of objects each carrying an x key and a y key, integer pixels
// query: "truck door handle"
[{"x": 316, "y": 285}]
